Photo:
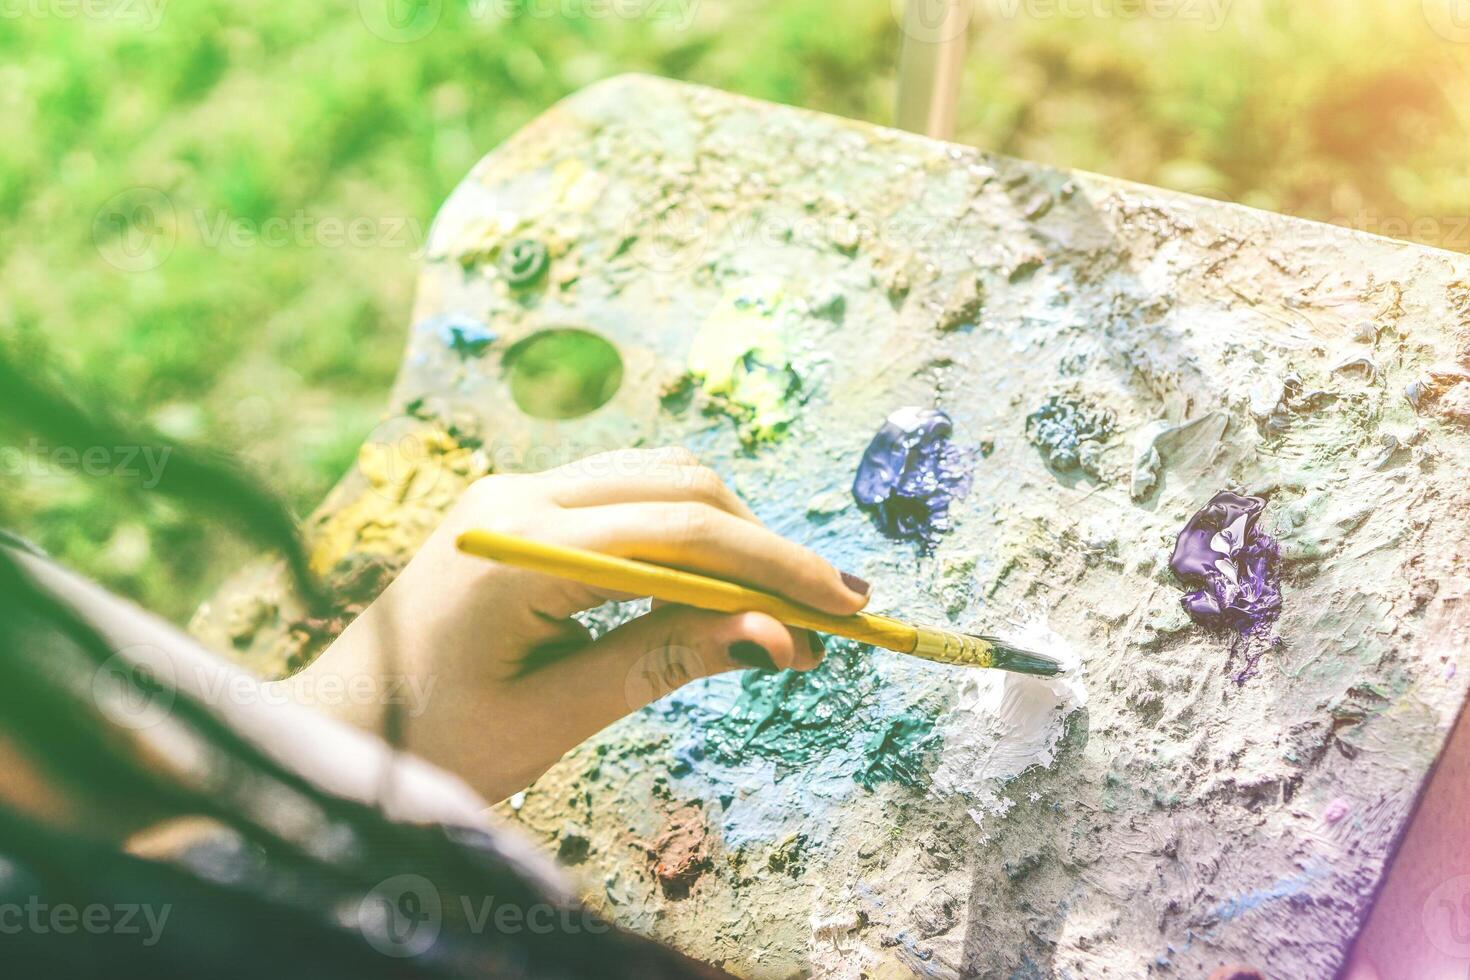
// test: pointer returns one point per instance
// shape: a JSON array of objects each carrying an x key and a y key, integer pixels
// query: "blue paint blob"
[
  {"x": 1233, "y": 570},
  {"x": 911, "y": 473},
  {"x": 461, "y": 333},
  {"x": 1069, "y": 434}
]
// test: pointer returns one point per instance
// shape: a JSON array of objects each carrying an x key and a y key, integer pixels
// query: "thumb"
[
  {"x": 673, "y": 645},
  {"x": 643, "y": 660}
]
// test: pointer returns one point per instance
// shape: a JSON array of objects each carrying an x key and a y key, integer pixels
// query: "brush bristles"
[{"x": 1023, "y": 661}]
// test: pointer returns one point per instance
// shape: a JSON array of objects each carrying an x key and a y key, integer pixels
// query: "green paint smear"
[
  {"x": 793, "y": 716},
  {"x": 739, "y": 357},
  {"x": 898, "y": 753},
  {"x": 757, "y": 400},
  {"x": 796, "y": 718}
]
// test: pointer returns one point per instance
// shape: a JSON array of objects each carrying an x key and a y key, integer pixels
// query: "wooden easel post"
[{"x": 931, "y": 64}]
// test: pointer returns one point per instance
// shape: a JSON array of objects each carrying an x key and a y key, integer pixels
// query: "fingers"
[
  {"x": 815, "y": 646},
  {"x": 810, "y": 648},
  {"x": 641, "y": 661},
  {"x": 655, "y": 505},
  {"x": 628, "y": 476},
  {"x": 702, "y": 538}
]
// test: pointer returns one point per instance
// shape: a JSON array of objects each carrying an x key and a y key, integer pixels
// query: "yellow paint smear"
[
  {"x": 741, "y": 360},
  {"x": 410, "y": 483}
]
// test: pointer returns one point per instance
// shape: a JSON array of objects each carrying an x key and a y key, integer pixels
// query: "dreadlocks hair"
[{"x": 296, "y": 882}]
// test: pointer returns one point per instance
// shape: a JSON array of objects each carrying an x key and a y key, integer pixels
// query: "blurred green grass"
[{"x": 279, "y": 342}]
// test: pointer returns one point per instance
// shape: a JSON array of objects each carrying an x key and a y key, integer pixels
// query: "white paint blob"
[{"x": 1003, "y": 724}]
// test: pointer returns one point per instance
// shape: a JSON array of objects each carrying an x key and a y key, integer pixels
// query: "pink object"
[{"x": 1336, "y": 810}]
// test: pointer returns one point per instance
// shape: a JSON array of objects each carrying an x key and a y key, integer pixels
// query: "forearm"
[{"x": 424, "y": 690}]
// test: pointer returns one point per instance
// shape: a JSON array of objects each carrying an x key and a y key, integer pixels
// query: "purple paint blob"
[
  {"x": 1232, "y": 566},
  {"x": 910, "y": 475}
]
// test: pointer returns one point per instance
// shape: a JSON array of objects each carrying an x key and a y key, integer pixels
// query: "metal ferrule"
[{"x": 954, "y": 648}]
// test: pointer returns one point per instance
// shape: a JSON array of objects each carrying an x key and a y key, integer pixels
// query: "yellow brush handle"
[{"x": 686, "y": 588}]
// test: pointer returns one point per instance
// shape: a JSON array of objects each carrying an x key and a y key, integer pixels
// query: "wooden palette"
[{"x": 1187, "y": 820}]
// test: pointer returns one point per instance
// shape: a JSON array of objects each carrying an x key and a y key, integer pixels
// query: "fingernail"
[
  {"x": 860, "y": 586},
  {"x": 818, "y": 647},
  {"x": 752, "y": 655}
]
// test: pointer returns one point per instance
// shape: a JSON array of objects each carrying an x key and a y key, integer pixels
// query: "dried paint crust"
[
  {"x": 681, "y": 852},
  {"x": 1184, "y": 820},
  {"x": 1069, "y": 433}
]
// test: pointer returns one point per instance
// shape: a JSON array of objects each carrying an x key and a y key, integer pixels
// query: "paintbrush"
[{"x": 689, "y": 589}]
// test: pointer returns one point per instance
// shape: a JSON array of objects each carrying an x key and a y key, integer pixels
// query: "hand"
[{"x": 509, "y": 681}]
